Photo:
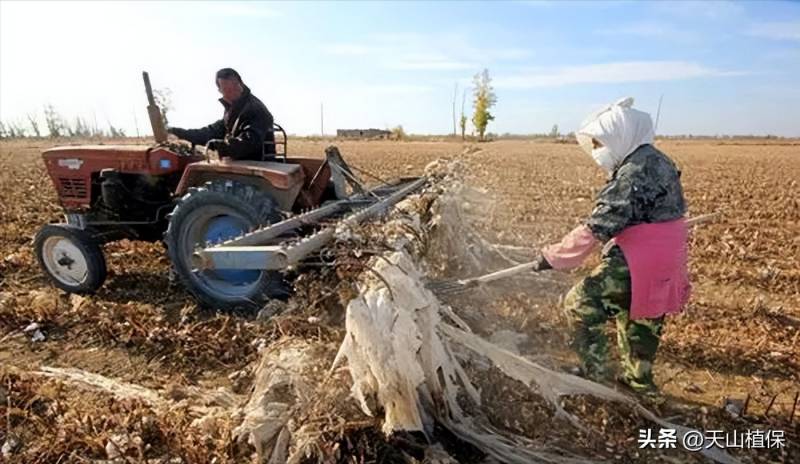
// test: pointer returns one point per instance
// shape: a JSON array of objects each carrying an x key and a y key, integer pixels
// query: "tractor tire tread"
[{"x": 252, "y": 202}]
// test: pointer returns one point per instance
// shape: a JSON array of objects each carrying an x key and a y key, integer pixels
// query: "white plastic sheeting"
[
  {"x": 400, "y": 349},
  {"x": 400, "y": 354},
  {"x": 401, "y": 340},
  {"x": 279, "y": 390}
]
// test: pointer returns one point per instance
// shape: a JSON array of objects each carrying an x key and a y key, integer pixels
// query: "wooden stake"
[
  {"x": 746, "y": 403},
  {"x": 769, "y": 406}
]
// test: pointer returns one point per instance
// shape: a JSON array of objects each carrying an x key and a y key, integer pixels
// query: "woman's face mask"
[{"x": 602, "y": 156}]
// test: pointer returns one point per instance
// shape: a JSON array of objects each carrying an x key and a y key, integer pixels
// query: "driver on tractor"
[{"x": 245, "y": 127}]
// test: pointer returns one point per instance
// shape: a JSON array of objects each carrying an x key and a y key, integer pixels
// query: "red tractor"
[{"x": 229, "y": 227}]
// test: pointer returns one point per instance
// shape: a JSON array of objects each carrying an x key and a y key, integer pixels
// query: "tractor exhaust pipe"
[{"x": 156, "y": 120}]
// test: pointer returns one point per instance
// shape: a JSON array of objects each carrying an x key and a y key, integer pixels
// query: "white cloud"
[
  {"x": 254, "y": 10},
  {"x": 644, "y": 29},
  {"x": 544, "y": 3},
  {"x": 395, "y": 89},
  {"x": 608, "y": 73},
  {"x": 717, "y": 10},
  {"x": 403, "y": 57},
  {"x": 428, "y": 61},
  {"x": 779, "y": 30},
  {"x": 431, "y": 52},
  {"x": 508, "y": 53},
  {"x": 350, "y": 49}
]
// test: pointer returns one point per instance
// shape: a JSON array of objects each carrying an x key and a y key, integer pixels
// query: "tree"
[
  {"x": 81, "y": 129},
  {"x": 34, "y": 125},
  {"x": 15, "y": 130},
  {"x": 114, "y": 132},
  {"x": 455, "y": 93},
  {"x": 398, "y": 133},
  {"x": 484, "y": 100},
  {"x": 53, "y": 120},
  {"x": 554, "y": 131},
  {"x": 463, "y": 120}
]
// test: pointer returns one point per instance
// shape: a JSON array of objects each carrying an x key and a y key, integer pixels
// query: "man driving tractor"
[{"x": 245, "y": 125}]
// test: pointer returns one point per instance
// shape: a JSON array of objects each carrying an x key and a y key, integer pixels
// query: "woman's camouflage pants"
[{"x": 604, "y": 294}]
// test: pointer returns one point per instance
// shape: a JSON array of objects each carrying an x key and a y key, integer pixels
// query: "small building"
[{"x": 363, "y": 133}]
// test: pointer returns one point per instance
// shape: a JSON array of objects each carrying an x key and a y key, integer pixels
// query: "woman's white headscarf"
[{"x": 620, "y": 128}]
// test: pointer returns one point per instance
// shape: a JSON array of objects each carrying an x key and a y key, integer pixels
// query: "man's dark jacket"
[{"x": 245, "y": 126}]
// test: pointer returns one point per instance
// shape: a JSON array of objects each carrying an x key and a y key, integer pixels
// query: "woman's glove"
[{"x": 542, "y": 264}]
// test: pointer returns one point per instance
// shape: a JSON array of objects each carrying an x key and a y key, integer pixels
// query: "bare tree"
[
  {"x": 15, "y": 130},
  {"x": 55, "y": 124},
  {"x": 34, "y": 125},
  {"x": 81, "y": 128},
  {"x": 95, "y": 129},
  {"x": 136, "y": 123},
  {"x": 114, "y": 132},
  {"x": 455, "y": 92},
  {"x": 463, "y": 120}
]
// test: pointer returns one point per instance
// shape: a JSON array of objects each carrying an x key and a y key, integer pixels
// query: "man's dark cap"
[{"x": 228, "y": 73}]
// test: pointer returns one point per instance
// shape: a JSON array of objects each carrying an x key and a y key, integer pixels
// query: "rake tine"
[
  {"x": 448, "y": 287},
  {"x": 437, "y": 286},
  {"x": 449, "y": 292}
]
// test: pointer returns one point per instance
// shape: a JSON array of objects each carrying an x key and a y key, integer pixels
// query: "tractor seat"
[
  {"x": 281, "y": 175},
  {"x": 278, "y": 167}
]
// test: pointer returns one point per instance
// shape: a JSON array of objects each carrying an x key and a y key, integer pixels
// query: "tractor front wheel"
[
  {"x": 71, "y": 257},
  {"x": 219, "y": 211}
]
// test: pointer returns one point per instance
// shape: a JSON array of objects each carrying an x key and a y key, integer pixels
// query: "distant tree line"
[
  {"x": 56, "y": 125},
  {"x": 722, "y": 137}
]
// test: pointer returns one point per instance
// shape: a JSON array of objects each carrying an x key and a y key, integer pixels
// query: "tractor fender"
[{"x": 281, "y": 181}]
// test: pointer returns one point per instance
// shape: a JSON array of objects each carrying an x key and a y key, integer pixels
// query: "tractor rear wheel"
[
  {"x": 219, "y": 211},
  {"x": 71, "y": 257}
]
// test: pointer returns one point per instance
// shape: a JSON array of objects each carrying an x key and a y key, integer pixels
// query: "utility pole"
[
  {"x": 462, "y": 120},
  {"x": 658, "y": 113},
  {"x": 455, "y": 93},
  {"x": 321, "y": 120},
  {"x": 136, "y": 123}
]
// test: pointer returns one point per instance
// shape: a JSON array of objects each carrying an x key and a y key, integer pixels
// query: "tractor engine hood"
[
  {"x": 73, "y": 168},
  {"x": 134, "y": 159}
]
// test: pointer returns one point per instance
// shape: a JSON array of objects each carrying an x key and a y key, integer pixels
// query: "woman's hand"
[{"x": 541, "y": 265}]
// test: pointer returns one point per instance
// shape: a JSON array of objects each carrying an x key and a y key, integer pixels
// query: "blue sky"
[{"x": 723, "y": 68}]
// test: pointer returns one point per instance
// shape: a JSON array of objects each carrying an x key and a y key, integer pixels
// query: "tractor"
[{"x": 231, "y": 228}]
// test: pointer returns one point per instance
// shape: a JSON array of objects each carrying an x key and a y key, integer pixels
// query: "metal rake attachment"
[
  {"x": 449, "y": 287},
  {"x": 455, "y": 287}
]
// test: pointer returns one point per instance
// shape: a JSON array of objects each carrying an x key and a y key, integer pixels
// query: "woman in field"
[{"x": 643, "y": 274}]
